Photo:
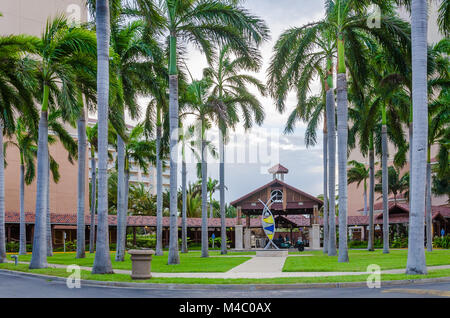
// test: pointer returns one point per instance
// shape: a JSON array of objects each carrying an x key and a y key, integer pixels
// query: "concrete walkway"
[{"x": 257, "y": 267}]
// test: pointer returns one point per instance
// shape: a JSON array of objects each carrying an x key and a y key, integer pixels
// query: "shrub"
[
  {"x": 142, "y": 241},
  {"x": 442, "y": 242}
]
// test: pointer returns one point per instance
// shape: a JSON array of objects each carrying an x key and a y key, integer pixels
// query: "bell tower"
[{"x": 278, "y": 171}]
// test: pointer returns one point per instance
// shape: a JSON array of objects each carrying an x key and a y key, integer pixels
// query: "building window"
[{"x": 276, "y": 195}]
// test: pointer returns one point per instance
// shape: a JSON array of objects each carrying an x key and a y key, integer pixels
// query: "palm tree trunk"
[
  {"x": 125, "y": 215},
  {"x": 174, "y": 257},
  {"x": 342, "y": 163},
  {"x": 93, "y": 201},
  {"x": 370, "y": 244},
  {"x": 23, "y": 234},
  {"x": 49, "y": 224},
  {"x": 325, "y": 190},
  {"x": 416, "y": 253},
  {"x": 39, "y": 255},
  {"x": 365, "y": 197},
  {"x": 184, "y": 248},
  {"x": 331, "y": 173},
  {"x": 2, "y": 199},
  {"x": 204, "y": 200},
  {"x": 211, "y": 212},
  {"x": 102, "y": 261},
  {"x": 429, "y": 218},
  {"x": 81, "y": 236},
  {"x": 223, "y": 229},
  {"x": 120, "y": 199},
  {"x": 385, "y": 187},
  {"x": 159, "y": 194}
]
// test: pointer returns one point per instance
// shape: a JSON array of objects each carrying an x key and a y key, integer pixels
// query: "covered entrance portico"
[{"x": 288, "y": 203}]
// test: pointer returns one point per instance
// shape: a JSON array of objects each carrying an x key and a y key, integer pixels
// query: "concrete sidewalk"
[{"x": 255, "y": 269}]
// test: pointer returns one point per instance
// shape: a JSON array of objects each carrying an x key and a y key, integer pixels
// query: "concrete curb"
[{"x": 248, "y": 287}]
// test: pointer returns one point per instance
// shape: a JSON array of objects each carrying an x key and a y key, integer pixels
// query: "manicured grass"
[
  {"x": 189, "y": 263},
  {"x": 86, "y": 275},
  {"x": 359, "y": 260}
]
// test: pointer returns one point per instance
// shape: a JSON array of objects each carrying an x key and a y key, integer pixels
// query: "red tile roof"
[{"x": 299, "y": 220}]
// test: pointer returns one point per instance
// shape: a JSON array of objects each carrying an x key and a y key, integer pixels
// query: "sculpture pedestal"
[
  {"x": 247, "y": 235},
  {"x": 238, "y": 237},
  {"x": 315, "y": 237}
]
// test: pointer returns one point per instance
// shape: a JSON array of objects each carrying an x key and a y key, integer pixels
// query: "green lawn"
[
  {"x": 359, "y": 260},
  {"x": 86, "y": 275},
  {"x": 189, "y": 263}
]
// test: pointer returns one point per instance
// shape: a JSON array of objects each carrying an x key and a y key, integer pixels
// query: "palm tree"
[
  {"x": 357, "y": 174},
  {"x": 25, "y": 143},
  {"x": 205, "y": 108},
  {"x": 301, "y": 55},
  {"x": 348, "y": 19},
  {"x": 202, "y": 23},
  {"x": 229, "y": 86},
  {"x": 86, "y": 96},
  {"x": 142, "y": 153},
  {"x": 416, "y": 253},
  {"x": 58, "y": 48},
  {"x": 135, "y": 68},
  {"x": 92, "y": 139},
  {"x": 187, "y": 139},
  {"x": 14, "y": 96},
  {"x": 311, "y": 53},
  {"x": 397, "y": 185},
  {"x": 211, "y": 187},
  {"x": 102, "y": 261},
  {"x": 58, "y": 133},
  {"x": 438, "y": 125}
]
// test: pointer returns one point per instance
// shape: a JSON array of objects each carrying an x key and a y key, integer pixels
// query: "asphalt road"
[{"x": 12, "y": 286}]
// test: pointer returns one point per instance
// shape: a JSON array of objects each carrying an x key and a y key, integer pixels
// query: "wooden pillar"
[
  {"x": 247, "y": 221},
  {"x": 134, "y": 236},
  {"x": 239, "y": 215},
  {"x": 315, "y": 215},
  {"x": 9, "y": 233}
]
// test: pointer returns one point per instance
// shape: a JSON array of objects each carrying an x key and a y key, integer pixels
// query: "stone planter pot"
[{"x": 141, "y": 263}]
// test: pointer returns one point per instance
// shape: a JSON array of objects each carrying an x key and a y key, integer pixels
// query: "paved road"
[{"x": 12, "y": 286}]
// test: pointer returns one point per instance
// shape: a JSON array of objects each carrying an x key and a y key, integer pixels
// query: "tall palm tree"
[
  {"x": 349, "y": 19},
  {"x": 416, "y": 253},
  {"x": 92, "y": 139},
  {"x": 141, "y": 152},
  {"x": 202, "y": 23},
  {"x": 57, "y": 49},
  {"x": 158, "y": 103},
  {"x": 357, "y": 174},
  {"x": 187, "y": 139},
  {"x": 438, "y": 116},
  {"x": 25, "y": 143},
  {"x": 85, "y": 76},
  {"x": 229, "y": 86},
  {"x": 135, "y": 67},
  {"x": 58, "y": 133},
  {"x": 438, "y": 125},
  {"x": 206, "y": 109},
  {"x": 14, "y": 96},
  {"x": 102, "y": 261},
  {"x": 301, "y": 55}
]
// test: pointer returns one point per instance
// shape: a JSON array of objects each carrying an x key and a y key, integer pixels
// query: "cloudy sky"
[{"x": 249, "y": 155}]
